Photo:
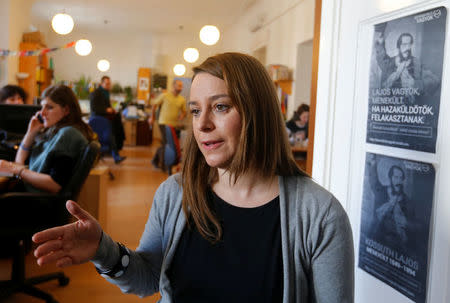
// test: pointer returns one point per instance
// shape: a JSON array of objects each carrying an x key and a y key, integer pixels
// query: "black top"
[
  {"x": 61, "y": 169},
  {"x": 294, "y": 128},
  {"x": 99, "y": 101},
  {"x": 245, "y": 266}
]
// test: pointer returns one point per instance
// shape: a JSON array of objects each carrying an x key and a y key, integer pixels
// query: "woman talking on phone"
[
  {"x": 241, "y": 223},
  {"x": 55, "y": 138}
]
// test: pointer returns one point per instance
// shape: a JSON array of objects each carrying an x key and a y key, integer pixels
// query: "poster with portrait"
[
  {"x": 395, "y": 221},
  {"x": 405, "y": 81}
]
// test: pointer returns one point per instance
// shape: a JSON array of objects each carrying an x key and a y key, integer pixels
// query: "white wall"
[
  {"x": 14, "y": 21},
  {"x": 125, "y": 51},
  {"x": 169, "y": 51},
  {"x": 286, "y": 24},
  {"x": 19, "y": 22},
  {"x": 340, "y": 131},
  {"x": 4, "y": 40}
]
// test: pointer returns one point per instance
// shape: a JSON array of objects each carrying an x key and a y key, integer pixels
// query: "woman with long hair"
[
  {"x": 297, "y": 126},
  {"x": 54, "y": 141},
  {"x": 242, "y": 223}
]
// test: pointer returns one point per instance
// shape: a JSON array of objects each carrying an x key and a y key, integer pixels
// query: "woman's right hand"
[
  {"x": 70, "y": 244},
  {"x": 34, "y": 126}
]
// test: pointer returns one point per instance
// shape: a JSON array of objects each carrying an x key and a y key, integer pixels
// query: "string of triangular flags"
[{"x": 37, "y": 52}]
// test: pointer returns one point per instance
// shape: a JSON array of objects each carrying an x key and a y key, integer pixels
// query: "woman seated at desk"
[
  {"x": 55, "y": 138},
  {"x": 297, "y": 126},
  {"x": 12, "y": 94}
]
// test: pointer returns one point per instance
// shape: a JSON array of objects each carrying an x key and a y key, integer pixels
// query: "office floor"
[{"x": 129, "y": 200}]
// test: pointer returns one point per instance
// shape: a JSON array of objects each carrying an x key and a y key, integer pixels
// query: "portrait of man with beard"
[
  {"x": 394, "y": 217},
  {"x": 402, "y": 70}
]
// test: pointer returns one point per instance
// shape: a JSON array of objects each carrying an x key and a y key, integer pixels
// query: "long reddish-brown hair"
[
  {"x": 263, "y": 145},
  {"x": 65, "y": 97}
]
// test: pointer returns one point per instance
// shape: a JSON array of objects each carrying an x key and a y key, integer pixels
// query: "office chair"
[
  {"x": 22, "y": 214},
  {"x": 102, "y": 127}
]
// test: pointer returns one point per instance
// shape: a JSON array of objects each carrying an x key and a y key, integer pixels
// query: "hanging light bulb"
[
  {"x": 62, "y": 23},
  {"x": 209, "y": 34},
  {"x": 179, "y": 69},
  {"x": 190, "y": 54},
  {"x": 83, "y": 47},
  {"x": 103, "y": 65}
]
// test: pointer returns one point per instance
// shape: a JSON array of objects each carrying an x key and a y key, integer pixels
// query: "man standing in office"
[
  {"x": 101, "y": 106},
  {"x": 172, "y": 111}
]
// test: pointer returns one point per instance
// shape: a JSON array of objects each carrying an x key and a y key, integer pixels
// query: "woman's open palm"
[{"x": 70, "y": 244}]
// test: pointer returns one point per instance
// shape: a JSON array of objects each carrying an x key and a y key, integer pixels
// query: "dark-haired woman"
[
  {"x": 297, "y": 126},
  {"x": 55, "y": 139},
  {"x": 12, "y": 94},
  {"x": 242, "y": 223}
]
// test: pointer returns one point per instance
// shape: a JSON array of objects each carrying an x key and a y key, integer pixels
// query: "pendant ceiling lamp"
[
  {"x": 103, "y": 65},
  {"x": 62, "y": 23},
  {"x": 179, "y": 69},
  {"x": 191, "y": 54},
  {"x": 209, "y": 34},
  {"x": 83, "y": 47}
]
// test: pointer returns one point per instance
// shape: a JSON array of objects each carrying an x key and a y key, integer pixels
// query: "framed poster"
[
  {"x": 395, "y": 223},
  {"x": 143, "y": 85},
  {"x": 405, "y": 81}
]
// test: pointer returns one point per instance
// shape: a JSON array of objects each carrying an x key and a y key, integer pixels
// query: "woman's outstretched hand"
[{"x": 70, "y": 244}]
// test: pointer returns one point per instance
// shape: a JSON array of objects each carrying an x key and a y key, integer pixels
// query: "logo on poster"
[
  {"x": 428, "y": 16},
  {"x": 437, "y": 13},
  {"x": 420, "y": 167}
]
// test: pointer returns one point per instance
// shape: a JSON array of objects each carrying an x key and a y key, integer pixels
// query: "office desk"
[
  {"x": 3, "y": 183},
  {"x": 92, "y": 197},
  {"x": 137, "y": 132},
  {"x": 300, "y": 153}
]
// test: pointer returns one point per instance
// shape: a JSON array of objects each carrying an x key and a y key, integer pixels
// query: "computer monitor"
[
  {"x": 85, "y": 107},
  {"x": 15, "y": 118}
]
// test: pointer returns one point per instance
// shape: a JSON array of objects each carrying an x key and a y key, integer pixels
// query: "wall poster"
[
  {"x": 395, "y": 223},
  {"x": 405, "y": 81}
]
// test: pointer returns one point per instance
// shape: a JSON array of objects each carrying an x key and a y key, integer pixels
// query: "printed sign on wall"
[
  {"x": 405, "y": 81},
  {"x": 395, "y": 223}
]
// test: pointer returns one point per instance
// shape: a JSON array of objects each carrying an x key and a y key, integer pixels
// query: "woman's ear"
[{"x": 66, "y": 110}]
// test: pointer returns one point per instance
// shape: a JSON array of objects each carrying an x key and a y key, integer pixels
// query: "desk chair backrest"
[
  {"x": 81, "y": 170},
  {"x": 102, "y": 127}
]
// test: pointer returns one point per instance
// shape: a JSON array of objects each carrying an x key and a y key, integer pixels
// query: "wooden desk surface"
[
  {"x": 299, "y": 149},
  {"x": 3, "y": 182}
]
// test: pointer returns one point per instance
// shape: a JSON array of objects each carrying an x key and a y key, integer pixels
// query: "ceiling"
[{"x": 157, "y": 16}]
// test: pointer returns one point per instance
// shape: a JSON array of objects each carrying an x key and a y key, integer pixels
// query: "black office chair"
[{"x": 23, "y": 214}]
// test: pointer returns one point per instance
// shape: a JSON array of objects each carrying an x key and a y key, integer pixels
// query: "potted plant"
[{"x": 81, "y": 87}]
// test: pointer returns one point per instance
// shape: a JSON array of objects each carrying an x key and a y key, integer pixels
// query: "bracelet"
[
  {"x": 24, "y": 148},
  {"x": 121, "y": 265},
  {"x": 19, "y": 174}
]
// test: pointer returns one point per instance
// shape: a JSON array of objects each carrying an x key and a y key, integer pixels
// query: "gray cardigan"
[{"x": 317, "y": 245}]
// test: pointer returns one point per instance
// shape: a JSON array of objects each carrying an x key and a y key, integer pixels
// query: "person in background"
[
  {"x": 12, "y": 94},
  {"x": 172, "y": 112},
  {"x": 101, "y": 106},
  {"x": 242, "y": 223},
  {"x": 54, "y": 141},
  {"x": 297, "y": 126}
]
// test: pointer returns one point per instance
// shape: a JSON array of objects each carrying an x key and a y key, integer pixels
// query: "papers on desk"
[{"x": 6, "y": 174}]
